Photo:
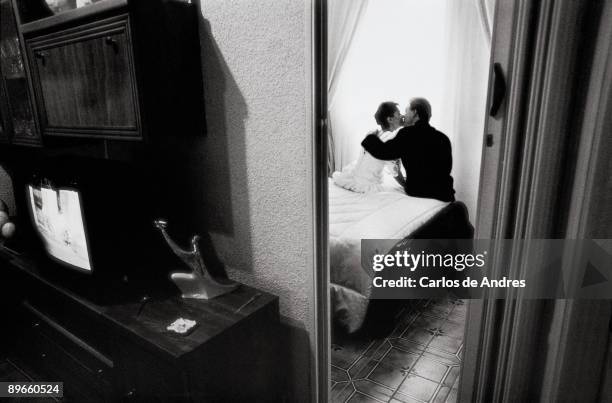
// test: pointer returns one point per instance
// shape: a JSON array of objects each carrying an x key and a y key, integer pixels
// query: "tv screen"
[{"x": 57, "y": 217}]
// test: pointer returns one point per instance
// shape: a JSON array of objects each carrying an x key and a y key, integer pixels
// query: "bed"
[{"x": 390, "y": 215}]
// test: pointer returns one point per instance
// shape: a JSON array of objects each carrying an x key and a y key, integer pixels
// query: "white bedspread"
[
  {"x": 391, "y": 214},
  {"x": 355, "y": 216}
]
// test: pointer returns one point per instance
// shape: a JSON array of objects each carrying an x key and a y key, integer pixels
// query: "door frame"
[
  {"x": 322, "y": 355},
  {"x": 536, "y": 45},
  {"x": 534, "y": 167},
  {"x": 511, "y": 36}
]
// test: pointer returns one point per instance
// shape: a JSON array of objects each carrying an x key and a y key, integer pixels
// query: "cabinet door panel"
[
  {"x": 86, "y": 84},
  {"x": 5, "y": 127}
]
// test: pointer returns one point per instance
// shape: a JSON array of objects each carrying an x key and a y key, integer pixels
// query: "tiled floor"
[{"x": 418, "y": 361}]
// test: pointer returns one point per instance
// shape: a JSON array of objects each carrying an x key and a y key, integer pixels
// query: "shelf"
[
  {"x": 72, "y": 16},
  {"x": 15, "y": 77}
]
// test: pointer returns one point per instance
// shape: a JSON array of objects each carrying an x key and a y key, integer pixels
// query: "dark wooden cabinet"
[
  {"x": 47, "y": 351},
  {"x": 124, "y": 352},
  {"x": 116, "y": 69},
  {"x": 16, "y": 106},
  {"x": 231, "y": 346},
  {"x": 86, "y": 81}
]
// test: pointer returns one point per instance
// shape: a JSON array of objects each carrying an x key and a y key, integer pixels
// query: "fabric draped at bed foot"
[{"x": 356, "y": 216}]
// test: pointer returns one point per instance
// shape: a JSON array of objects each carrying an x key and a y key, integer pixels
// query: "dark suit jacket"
[{"x": 427, "y": 157}]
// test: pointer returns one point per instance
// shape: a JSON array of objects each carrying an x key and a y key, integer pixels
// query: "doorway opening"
[{"x": 396, "y": 50}]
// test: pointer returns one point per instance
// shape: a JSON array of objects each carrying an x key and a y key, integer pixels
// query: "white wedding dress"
[{"x": 366, "y": 174}]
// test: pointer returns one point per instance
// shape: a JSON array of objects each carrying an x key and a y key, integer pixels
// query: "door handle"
[
  {"x": 111, "y": 42},
  {"x": 499, "y": 89},
  {"x": 42, "y": 56}
]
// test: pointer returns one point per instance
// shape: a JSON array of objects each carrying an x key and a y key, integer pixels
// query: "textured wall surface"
[
  {"x": 252, "y": 174},
  {"x": 257, "y": 162}
]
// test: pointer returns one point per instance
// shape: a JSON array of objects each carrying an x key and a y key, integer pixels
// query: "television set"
[
  {"x": 88, "y": 225},
  {"x": 57, "y": 217}
]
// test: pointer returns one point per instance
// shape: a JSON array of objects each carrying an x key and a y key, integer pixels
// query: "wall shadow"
[
  {"x": 220, "y": 160},
  {"x": 296, "y": 352},
  {"x": 221, "y": 166},
  {"x": 205, "y": 176}
]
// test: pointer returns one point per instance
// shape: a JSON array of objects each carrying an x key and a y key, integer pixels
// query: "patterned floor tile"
[
  {"x": 419, "y": 388},
  {"x": 418, "y": 335},
  {"x": 404, "y": 321},
  {"x": 341, "y": 392},
  {"x": 446, "y": 344},
  {"x": 389, "y": 376},
  {"x": 397, "y": 358},
  {"x": 460, "y": 313},
  {"x": 460, "y": 309},
  {"x": 339, "y": 374},
  {"x": 346, "y": 353},
  {"x": 362, "y": 368},
  {"x": 442, "y": 394},
  {"x": 417, "y": 360},
  {"x": 375, "y": 390},
  {"x": 442, "y": 308},
  {"x": 401, "y": 398},
  {"x": 426, "y": 321},
  {"x": 452, "y": 329},
  {"x": 376, "y": 347},
  {"x": 453, "y": 374},
  {"x": 380, "y": 351},
  {"x": 361, "y": 398},
  {"x": 430, "y": 369},
  {"x": 441, "y": 356},
  {"x": 457, "y": 316},
  {"x": 407, "y": 345}
]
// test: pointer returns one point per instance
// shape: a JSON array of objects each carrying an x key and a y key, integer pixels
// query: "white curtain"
[
  {"x": 486, "y": 8},
  {"x": 437, "y": 49},
  {"x": 343, "y": 19},
  {"x": 469, "y": 28},
  {"x": 397, "y": 53}
]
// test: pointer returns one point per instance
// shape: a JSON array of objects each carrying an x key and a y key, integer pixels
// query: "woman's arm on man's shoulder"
[{"x": 390, "y": 150}]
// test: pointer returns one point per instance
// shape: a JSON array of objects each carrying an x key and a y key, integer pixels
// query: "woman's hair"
[
  {"x": 384, "y": 111},
  {"x": 422, "y": 108}
]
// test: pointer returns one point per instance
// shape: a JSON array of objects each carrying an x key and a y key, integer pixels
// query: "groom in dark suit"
[{"x": 425, "y": 153}]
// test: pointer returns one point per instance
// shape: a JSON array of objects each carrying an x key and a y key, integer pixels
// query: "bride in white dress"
[{"x": 366, "y": 174}]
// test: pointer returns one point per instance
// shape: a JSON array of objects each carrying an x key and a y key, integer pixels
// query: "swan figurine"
[{"x": 198, "y": 283}]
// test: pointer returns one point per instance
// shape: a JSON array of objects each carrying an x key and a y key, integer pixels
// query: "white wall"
[{"x": 254, "y": 174}]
